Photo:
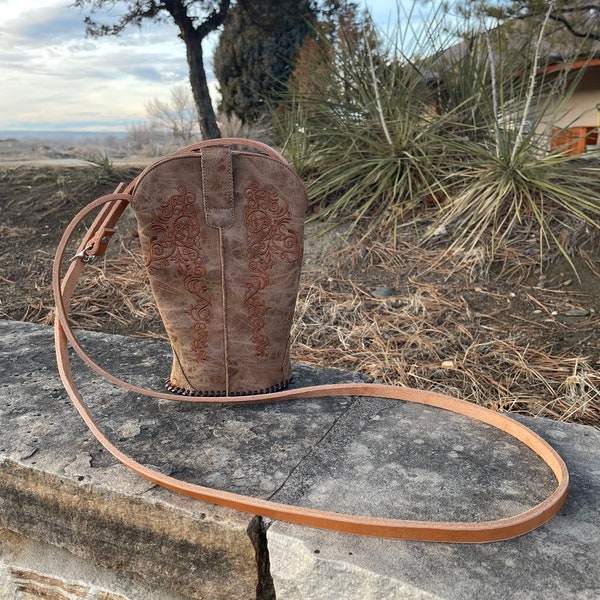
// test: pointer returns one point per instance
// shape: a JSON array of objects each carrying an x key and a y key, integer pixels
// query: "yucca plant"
[
  {"x": 491, "y": 195},
  {"x": 506, "y": 175},
  {"x": 361, "y": 111},
  {"x": 379, "y": 124}
]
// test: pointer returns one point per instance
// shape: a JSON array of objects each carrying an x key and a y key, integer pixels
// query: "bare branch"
[
  {"x": 580, "y": 34},
  {"x": 193, "y": 28},
  {"x": 580, "y": 20}
]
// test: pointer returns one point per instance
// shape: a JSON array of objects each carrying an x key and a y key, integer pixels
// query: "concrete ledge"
[
  {"x": 74, "y": 517},
  {"x": 558, "y": 561},
  {"x": 57, "y": 486}
]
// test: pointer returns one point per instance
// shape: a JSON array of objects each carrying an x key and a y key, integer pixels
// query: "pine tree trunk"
[{"x": 206, "y": 112}]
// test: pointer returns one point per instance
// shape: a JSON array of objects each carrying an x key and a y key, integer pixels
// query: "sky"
[{"x": 53, "y": 77}]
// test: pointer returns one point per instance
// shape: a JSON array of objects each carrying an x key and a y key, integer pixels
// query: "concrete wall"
[{"x": 75, "y": 524}]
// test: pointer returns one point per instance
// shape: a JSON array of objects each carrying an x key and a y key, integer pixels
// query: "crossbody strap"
[{"x": 94, "y": 244}]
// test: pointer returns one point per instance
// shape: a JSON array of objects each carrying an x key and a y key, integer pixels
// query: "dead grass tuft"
[
  {"x": 112, "y": 294},
  {"x": 432, "y": 333},
  {"x": 431, "y": 337}
]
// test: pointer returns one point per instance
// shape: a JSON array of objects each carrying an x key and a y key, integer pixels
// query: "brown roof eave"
[{"x": 559, "y": 64}]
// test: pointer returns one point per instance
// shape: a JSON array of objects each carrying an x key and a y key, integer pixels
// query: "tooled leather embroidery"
[
  {"x": 269, "y": 235},
  {"x": 177, "y": 228}
]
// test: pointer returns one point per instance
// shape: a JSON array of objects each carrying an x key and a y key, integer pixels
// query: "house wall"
[
  {"x": 580, "y": 110},
  {"x": 575, "y": 124}
]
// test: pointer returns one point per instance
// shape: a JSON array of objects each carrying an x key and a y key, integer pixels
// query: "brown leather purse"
[
  {"x": 222, "y": 231},
  {"x": 221, "y": 227}
]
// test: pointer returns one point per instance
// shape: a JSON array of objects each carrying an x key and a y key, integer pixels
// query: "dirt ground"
[{"x": 511, "y": 337}]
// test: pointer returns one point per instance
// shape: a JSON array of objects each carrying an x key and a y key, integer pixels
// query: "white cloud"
[
  {"x": 54, "y": 77},
  {"x": 46, "y": 25}
]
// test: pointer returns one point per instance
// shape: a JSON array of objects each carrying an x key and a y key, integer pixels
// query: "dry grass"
[
  {"x": 427, "y": 336},
  {"x": 430, "y": 342},
  {"x": 112, "y": 295}
]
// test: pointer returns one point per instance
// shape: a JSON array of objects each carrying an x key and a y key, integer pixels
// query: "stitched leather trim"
[{"x": 174, "y": 389}]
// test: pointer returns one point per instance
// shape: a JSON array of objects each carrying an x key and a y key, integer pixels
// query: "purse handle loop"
[
  {"x": 94, "y": 244},
  {"x": 232, "y": 141}
]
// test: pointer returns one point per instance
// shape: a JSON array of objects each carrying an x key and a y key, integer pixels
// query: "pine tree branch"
[{"x": 579, "y": 34}]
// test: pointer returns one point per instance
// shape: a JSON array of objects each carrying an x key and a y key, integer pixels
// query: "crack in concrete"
[
  {"x": 257, "y": 529},
  {"x": 312, "y": 450}
]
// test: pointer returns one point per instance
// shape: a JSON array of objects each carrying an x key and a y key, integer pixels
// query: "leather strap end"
[{"x": 103, "y": 228}]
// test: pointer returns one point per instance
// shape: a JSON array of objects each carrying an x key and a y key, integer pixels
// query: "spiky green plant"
[
  {"x": 507, "y": 174},
  {"x": 379, "y": 124},
  {"x": 363, "y": 128},
  {"x": 494, "y": 194}
]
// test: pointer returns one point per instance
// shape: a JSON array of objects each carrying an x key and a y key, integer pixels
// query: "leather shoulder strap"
[{"x": 94, "y": 244}]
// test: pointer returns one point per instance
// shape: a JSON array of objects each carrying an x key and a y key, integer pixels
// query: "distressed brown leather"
[{"x": 222, "y": 235}]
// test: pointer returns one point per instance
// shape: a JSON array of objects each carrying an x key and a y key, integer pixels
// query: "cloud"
[
  {"x": 145, "y": 72},
  {"x": 59, "y": 22},
  {"x": 54, "y": 76},
  {"x": 84, "y": 90},
  {"x": 45, "y": 25},
  {"x": 52, "y": 73}
]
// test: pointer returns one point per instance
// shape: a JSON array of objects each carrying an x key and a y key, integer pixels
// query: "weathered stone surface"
[
  {"x": 33, "y": 569},
  {"x": 556, "y": 561},
  {"x": 58, "y": 485},
  {"x": 387, "y": 458},
  {"x": 60, "y": 490}
]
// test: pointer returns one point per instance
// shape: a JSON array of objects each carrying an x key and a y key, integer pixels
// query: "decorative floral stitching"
[
  {"x": 177, "y": 230},
  {"x": 269, "y": 235}
]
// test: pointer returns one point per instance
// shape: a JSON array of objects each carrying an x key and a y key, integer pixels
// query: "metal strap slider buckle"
[{"x": 83, "y": 254}]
